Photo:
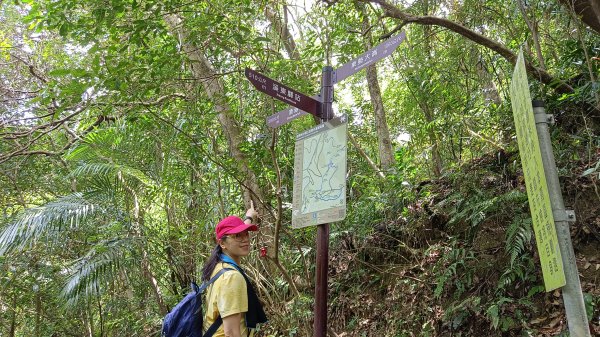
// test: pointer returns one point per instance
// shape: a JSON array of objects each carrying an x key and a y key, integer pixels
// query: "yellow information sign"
[{"x": 535, "y": 180}]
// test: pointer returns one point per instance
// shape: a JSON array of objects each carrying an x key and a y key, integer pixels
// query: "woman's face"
[{"x": 236, "y": 245}]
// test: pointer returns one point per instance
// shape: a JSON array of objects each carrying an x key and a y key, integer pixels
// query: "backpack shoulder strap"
[
  {"x": 205, "y": 284},
  {"x": 213, "y": 327},
  {"x": 217, "y": 323}
]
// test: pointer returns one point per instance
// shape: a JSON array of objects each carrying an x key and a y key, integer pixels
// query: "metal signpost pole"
[
  {"x": 320, "y": 324},
  {"x": 572, "y": 294}
]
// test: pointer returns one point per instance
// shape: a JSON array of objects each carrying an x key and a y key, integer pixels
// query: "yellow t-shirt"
[{"x": 225, "y": 297}]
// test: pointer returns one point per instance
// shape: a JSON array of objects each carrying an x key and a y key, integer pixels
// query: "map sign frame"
[
  {"x": 320, "y": 165},
  {"x": 535, "y": 179}
]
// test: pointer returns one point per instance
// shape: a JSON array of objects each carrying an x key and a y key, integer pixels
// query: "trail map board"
[{"x": 320, "y": 174}]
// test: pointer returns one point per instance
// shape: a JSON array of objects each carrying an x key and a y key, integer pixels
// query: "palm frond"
[
  {"x": 93, "y": 169},
  {"x": 98, "y": 144},
  {"x": 63, "y": 213},
  {"x": 103, "y": 189},
  {"x": 90, "y": 275}
]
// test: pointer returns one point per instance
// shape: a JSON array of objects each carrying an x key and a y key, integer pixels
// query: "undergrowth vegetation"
[{"x": 454, "y": 256}]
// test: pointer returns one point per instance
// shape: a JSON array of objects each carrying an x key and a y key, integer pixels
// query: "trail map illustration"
[{"x": 320, "y": 174}]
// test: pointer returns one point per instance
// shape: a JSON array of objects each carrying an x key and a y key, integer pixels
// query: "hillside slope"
[{"x": 461, "y": 260}]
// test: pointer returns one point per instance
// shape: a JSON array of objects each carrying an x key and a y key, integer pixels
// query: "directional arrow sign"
[
  {"x": 286, "y": 115},
  {"x": 282, "y": 92},
  {"x": 273, "y": 88},
  {"x": 369, "y": 57}
]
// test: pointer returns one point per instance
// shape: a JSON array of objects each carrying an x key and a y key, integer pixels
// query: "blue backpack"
[{"x": 186, "y": 319}]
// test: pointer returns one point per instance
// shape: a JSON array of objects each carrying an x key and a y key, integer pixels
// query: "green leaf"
[
  {"x": 591, "y": 170},
  {"x": 588, "y": 299},
  {"x": 588, "y": 171},
  {"x": 493, "y": 314},
  {"x": 59, "y": 72},
  {"x": 64, "y": 29},
  {"x": 262, "y": 39}
]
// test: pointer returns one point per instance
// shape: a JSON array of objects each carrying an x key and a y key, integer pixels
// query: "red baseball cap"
[{"x": 232, "y": 225}]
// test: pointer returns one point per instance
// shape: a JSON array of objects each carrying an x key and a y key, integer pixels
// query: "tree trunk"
[
  {"x": 365, "y": 156},
  {"x": 532, "y": 25},
  {"x": 13, "y": 317},
  {"x": 587, "y": 10},
  {"x": 147, "y": 271},
  {"x": 280, "y": 26},
  {"x": 490, "y": 91},
  {"x": 100, "y": 315},
  {"x": 436, "y": 158},
  {"x": 138, "y": 222},
  {"x": 386, "y": 154},
  {"x": 38, "y": 313},
  {"x": 162, "y": 307},
  {"x": 182, "y": 268},
  {"x": 89, "y": 317},
  {"x": 204, "y": 72}
]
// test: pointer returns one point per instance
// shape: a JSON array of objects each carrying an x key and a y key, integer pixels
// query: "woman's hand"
[{"x": 252, "y": 213}]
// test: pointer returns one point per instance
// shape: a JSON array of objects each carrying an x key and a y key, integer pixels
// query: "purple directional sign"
[
  {"x": 369, "y": 57},
  {"x": 286, "y": 115},
  {"x": 282, "y": 92}
]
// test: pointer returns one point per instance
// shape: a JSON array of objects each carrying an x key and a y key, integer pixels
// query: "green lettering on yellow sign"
[{"x": 535, "y": 180}]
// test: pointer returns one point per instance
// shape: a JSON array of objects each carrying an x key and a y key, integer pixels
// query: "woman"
[{"x": 231, "y": 297}]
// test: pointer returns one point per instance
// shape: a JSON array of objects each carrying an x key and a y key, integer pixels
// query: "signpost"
[
  {"x": 321, "y": 106},
  {"x": 380, "y": 51},
  {"x": 364, "y": 60},
  {"x": 320, "y": 323},
  {"x": 282, "y": 92},
  {"x": 285, "y": 115},
  {"x": 550, "y": 219}
]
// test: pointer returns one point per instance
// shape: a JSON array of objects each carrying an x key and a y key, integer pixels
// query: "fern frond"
[
  {"x": 476, "y": 208},
  {"x": 518, "y": 238}
]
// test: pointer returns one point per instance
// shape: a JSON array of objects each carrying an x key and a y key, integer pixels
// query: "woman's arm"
[{"x": 231, "y": 325}]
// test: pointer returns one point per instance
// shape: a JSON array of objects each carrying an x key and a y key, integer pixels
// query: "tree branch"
[
  {"x": 394, "y": 12},
  {"x": 365, "y": 156},
  {"x": 30, "y": 67}
]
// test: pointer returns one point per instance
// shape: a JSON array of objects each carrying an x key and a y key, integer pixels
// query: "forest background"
[{"x": 128, "y": 130}]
